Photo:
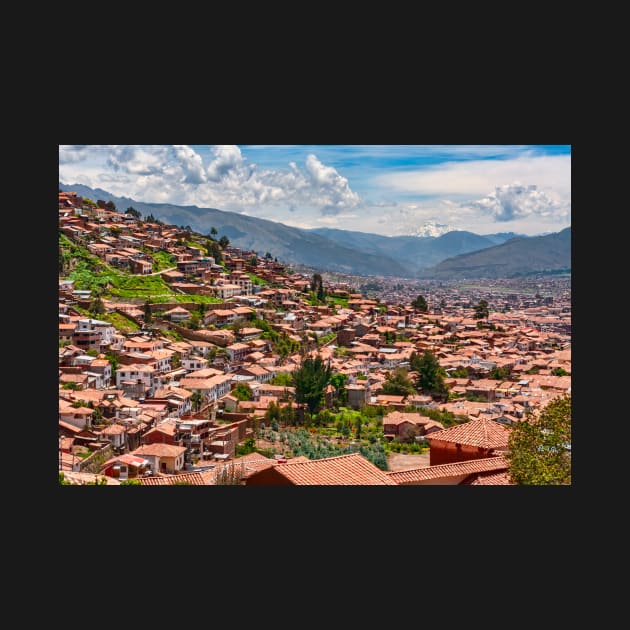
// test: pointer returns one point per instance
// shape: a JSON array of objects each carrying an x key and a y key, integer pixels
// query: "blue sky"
[{"x": 383, "y": 189}]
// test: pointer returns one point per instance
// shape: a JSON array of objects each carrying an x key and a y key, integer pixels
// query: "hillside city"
[{"x": 186, "y": 361}]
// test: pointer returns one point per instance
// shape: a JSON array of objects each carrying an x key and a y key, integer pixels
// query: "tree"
[
  {"x": 131, "y": 210},
  {"x": 147, "y": 312},
  {"x": 481, "y": 310},
  {"x": 110, "y": 205},
  {"x": 97, "y": 307},
  {"x": 421, "y": 304},
  {"x": 243, "y": 392},
  {"x": 224, "y": 241},
  {"x": 338, "y": 381},
  {"x": 196, "y": 399},
  {"x": 540, "y": 446},
  {"x": 317, "y": 287},
  {"x": 430, "y": 374},
  {"x": 213, "y": 233},
  {"x": 268, "y": 256},
  {"x": 253, "y": 261},
  {"x": 398, "y": 383},
  {"x": 310, "y": 379}
]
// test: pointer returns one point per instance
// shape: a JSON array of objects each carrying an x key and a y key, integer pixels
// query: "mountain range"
[{"x": 351, "y": 252}]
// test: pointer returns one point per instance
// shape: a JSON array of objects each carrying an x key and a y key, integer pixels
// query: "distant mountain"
[
  {"x": 287, "y": 243},
  {"x": 431, "y": 228},
  {"x": 501, "y": 237},
  {"x": 329, "y": 249},
  {"x": 415, "y": 251},
  {"x": 516, "y": 257}
]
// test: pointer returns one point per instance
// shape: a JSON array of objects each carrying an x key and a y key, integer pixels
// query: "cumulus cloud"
[
  {"x": 517, "y": 201},
  {"x": 177, "y": 174}
]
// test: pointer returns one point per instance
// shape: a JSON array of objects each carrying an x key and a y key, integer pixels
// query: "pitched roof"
[
  {"x": 499, "y": 478},
  {"x": 481, "y": 433},
  {"x": 161, "y": 450},
  {"x": 344, "y": 470},
  {"x": 191, "y": 478},
  {"x": 453, "y": 469}
]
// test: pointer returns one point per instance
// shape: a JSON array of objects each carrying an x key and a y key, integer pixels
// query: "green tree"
[
  {"x": 213, "y": 233},
  {"x": 540, "y": 446},
  {"x": 282, "y": 378},
  {"x": 317, "y": 287},
  {"x": 310, "y": 379},
  {"x": 196, "y": 399},
  {"x": 243, "y": 392},
  {"x": 147, "y": 312},
  {"x": 224, "y": 241},
  {"x": 338, "y": 381},
  {"x": 111, "y": 206},
  {"x": 481, "y": 310},
  {"x": 500, "y": 373},
  {"x": 97, "y": 307},
  {"x": 421, "y": 304},
  {"x": 131, "y": 210},
  {"x": 253, "y": 261},
  {"x": 430, "y": 374},
  {"x": 559, "y": 372},
  {"x": 398, "y": 383}
]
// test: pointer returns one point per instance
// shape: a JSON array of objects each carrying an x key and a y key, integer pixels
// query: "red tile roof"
[
  {"x": 481, "y": 433},
  {"x": 344, "y": 470},
  {"x": 454, "y": 469},
  {"x": 499, "y": 478},
  {"x": 192, "y": 478}
]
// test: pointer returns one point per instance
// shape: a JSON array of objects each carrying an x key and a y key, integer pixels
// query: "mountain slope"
[
  {"x": 517, "y": 257},
  {"x": 287, "y": 243},
  {"x": 417, "y": 251}
]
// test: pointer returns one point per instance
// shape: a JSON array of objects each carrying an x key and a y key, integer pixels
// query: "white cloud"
[
  {"x": 477, "y": 177},
  {"x": 517, "y": 201}
]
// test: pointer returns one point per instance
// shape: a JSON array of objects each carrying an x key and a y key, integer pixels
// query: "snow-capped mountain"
[{"x": 430, "y": 228}]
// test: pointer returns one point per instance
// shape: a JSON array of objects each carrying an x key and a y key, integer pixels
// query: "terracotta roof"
[
  {"x": 344, "y": 470},
  {"x": 453, "y": 469},
  {"x": 500, "y": 478},
  {"x": 481, "y": 433},
  {"x": 161, "y": 450},
  {"x": 192, "y": 478},
  {"x": 398, "y": 417}
]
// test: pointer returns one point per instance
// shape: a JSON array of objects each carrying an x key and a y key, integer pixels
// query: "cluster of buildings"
[{"x": 161, "y": 407}]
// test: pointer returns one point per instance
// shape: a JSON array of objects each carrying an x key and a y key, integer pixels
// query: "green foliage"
[
  {"x": 63, "y": 481},
  {"x": 560, "y": 372},
  {"x": 71, "y": 385},
  {"x": 430, "y": 374},
  {"x": 243, "y": 392},
  {"x": 500, "y": 373},
  {"x": 224, "y": 241},
  {"x": 148, "y": 316},
  {"x": 540, "y": 446},
  {"x": 420, "y": 304},
  {"x": 481, "y": 310},
  {"x": 131, "y": 210},
  {"x": 460, "y": 372},
  {"x": 131, "y": 482},
  {"x": 249, "y": 446},
  {"x": 282, "y": 378},
  {"x": 398, "y": 383},
  {"x": 317, "y": 287},
  {"x": 310, "y": 379}
]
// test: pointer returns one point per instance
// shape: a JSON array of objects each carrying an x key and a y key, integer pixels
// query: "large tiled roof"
[
  {"x": 344, "y": 470},
  {"x": 482, "y": 433},
  {"x": 193, "y": 479},
  {"x": 448, "y": 470},
  {"x": 498, "y": 478}
]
